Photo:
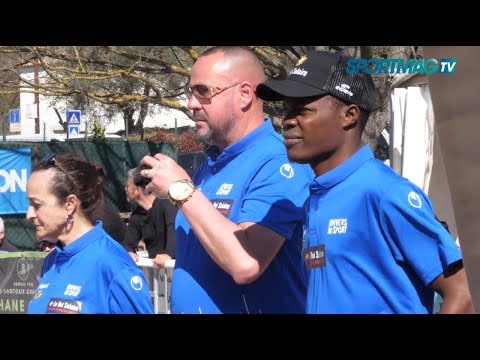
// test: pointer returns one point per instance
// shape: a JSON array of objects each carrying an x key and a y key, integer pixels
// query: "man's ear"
[
  {"x": 352, "y": 115},
  {"x": 247, "y": 92}
]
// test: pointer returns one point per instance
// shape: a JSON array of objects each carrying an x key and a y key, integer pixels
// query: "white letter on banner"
[
  {"x": 12, "y": 178},
  {"x": 16, "y": 179},
  {"x": 7, "y": 181}
]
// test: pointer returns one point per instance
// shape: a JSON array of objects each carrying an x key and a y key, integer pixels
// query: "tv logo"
[
  {"x": 401, "y": 66},
  {"x": 447, "y": 66}
]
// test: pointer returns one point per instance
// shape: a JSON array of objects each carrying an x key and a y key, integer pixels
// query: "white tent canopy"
[{"x": 414, "y": 150}]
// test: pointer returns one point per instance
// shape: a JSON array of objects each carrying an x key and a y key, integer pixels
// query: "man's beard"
[{"x": 216, "y": 135}]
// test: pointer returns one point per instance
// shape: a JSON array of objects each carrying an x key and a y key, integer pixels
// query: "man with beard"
[{"x": 239, "y": 228}]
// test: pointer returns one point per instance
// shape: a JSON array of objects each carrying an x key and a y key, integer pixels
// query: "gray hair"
[{"x": 131, "y": 175}]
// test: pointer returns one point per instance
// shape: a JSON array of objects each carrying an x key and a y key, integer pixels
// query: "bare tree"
[{"x": 128, "y": 79}]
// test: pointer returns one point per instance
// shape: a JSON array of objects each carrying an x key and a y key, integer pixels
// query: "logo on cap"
[
  {"x": 345, "y": 89},
  {"x": 297, "y": 71}
]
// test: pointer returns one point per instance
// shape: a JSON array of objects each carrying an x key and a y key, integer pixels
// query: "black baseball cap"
[{"x": 320, "y": 73}]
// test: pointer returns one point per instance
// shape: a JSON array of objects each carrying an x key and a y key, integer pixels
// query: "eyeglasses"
[
  {"x": 203, "y": 92},
  {"x": 50, "y": 160}
]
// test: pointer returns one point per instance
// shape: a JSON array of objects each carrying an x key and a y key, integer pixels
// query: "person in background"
[
  {"x": 372, "y": 243},
  {"x": 239, "y": 225},
  {"x": 88, "y": 272},
  {"x": 152, "y": 220},
  {"x": 5, "y": 245},
  {"x": 47, "y": 245},
  {"x": 111, "y": 220}
]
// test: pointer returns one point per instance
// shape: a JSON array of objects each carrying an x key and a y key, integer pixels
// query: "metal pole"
[
  {"x": 37, "y": 98},
  {"x": 68, "y": 127},
  {"x": 3, "y": 130},
  {"x": 176, "y": 138},
  {"x": 44, "y": 131}
]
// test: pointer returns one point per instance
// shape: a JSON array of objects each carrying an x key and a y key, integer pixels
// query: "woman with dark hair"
[{"x": 87, "y": 272}]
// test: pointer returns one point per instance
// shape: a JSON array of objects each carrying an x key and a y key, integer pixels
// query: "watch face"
[{"x": 180, "y": 190}]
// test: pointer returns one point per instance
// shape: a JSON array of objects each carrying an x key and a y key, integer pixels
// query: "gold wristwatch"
[{"x": 180, "y": 191}]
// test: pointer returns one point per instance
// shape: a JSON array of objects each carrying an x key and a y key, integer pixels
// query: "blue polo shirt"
[
  {"x": 92, "y": 275},
  {"x": 250, "y": 181},
  {"x": 372, "y": 242}
]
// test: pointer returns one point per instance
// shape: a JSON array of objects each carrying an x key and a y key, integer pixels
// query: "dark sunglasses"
[
  {"x": 203, "y": 92},
  {"x": 50, "y": 160}
]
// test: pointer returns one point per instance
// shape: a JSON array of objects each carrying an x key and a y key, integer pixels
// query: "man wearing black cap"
[{"x": 371, "y": 242}]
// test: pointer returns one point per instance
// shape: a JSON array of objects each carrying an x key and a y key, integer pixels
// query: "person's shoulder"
[
  {"x": 379, "y": 176},
  {"x": 400, "y": 190},
  {"x": 275, "y": 143},
  {"x": 162, "y": 205},
  {"x": 137, "y": 212},
  {"x": 8, "y": 246},
  {"x": 112, "y": 253}
]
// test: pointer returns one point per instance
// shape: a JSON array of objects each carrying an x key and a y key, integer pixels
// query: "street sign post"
[
  {"x": 74, "y": 118},
  {"x": 15, "y": 120}
]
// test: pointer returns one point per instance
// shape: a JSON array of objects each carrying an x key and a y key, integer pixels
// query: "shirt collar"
[
  {"x": 341, "y": 172},
  {"x": 84, "y": 240}
]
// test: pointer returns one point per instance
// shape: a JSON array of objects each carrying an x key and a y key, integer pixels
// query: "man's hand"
[
  {"x": 133, "y": 255},
  {"x": 161, "y": 259},
  {"x": 163, "y": 171}
]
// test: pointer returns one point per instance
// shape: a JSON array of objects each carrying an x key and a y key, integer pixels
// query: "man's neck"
[
  {"x": 146, "y": 202},
  {"x": 240, "y": 131}
]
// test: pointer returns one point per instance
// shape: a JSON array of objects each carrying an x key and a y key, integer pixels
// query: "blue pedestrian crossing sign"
[
  {"x": 74, "y": 117},
  {"x": 73, "y": 130},
  {"x": 14, "y": 116}
]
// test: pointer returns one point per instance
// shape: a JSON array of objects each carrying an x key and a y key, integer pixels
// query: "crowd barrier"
[{"x": 159, "y": 282}]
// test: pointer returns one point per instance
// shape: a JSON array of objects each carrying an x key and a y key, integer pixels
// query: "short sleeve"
[
  {"x": 129, "y": 293},
  {"x": 407, "y": 218},
  {"x": 275, "y": 196}
]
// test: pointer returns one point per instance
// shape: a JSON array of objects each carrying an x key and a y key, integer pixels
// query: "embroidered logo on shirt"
[
  {"x": 287, "y": 171},
  {"x": 414, "y": 200},
  {"x": 72, "y": 290},
  {"x": 38, "y": 294},
  {"x": 337, "y": 226},
  {"x": 224, "y": 189},
  {"x": 43, "y": 286},
  {"x": 136, "y": 283}
]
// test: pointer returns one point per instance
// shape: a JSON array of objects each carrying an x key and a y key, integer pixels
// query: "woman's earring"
[{"x": 69, "y": 223}]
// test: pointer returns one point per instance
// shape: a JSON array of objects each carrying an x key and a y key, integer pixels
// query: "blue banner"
[{"x": 15, "y": 168}]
